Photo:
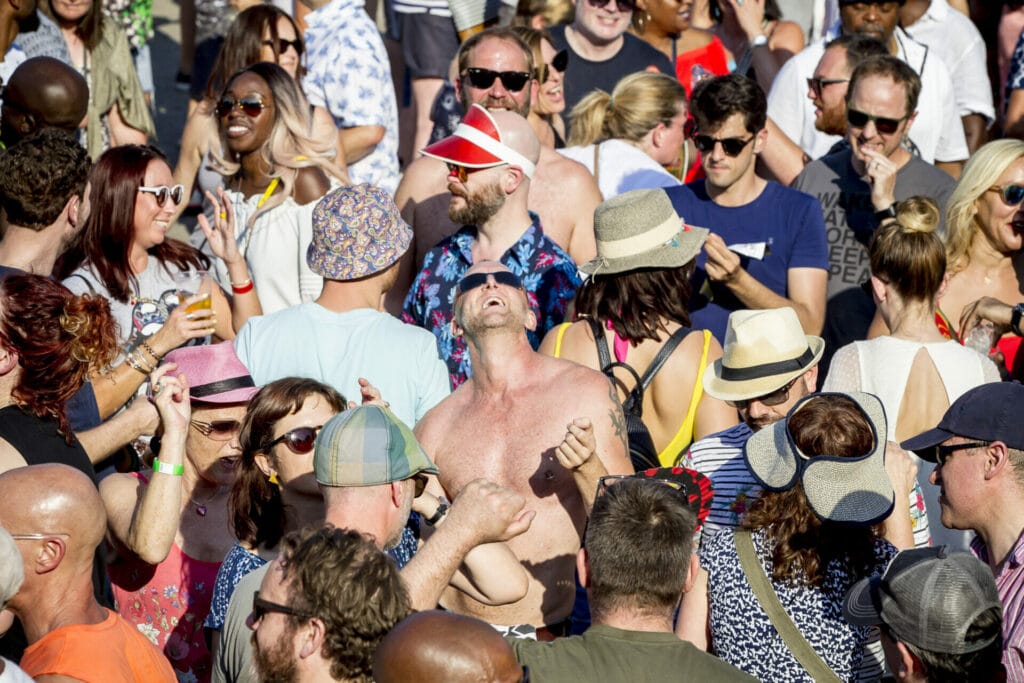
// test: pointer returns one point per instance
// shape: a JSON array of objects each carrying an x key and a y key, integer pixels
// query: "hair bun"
[{"x": 918, "y": 214}]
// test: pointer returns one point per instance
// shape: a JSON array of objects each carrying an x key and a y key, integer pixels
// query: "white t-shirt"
[
  {"x": 13, "y": 673},
  {"x": 622, "y": 167},
  {"x": 937, "y": 131}
]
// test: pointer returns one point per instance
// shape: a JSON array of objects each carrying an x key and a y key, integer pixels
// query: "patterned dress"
[{"x": 548, "y": 274}]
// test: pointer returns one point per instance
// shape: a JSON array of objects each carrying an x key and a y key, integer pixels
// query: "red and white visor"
[{"x": 476, "y": 143}]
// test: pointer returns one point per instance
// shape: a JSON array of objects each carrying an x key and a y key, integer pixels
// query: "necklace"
[{"x": 201, "y": 507}]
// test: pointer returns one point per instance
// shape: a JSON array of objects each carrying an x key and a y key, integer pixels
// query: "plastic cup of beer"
[{"x": 191, "y": 282}]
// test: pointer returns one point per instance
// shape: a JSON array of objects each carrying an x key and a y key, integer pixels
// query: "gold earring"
[{"x": 273, "y": 479}]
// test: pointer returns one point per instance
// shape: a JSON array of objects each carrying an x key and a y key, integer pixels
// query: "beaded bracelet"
[
  {"x": 150, "y": 350},
  {"x": 142, "y": 360},
  {"x": 164, "y": 468},
  {"x": 131, "y": 359}
]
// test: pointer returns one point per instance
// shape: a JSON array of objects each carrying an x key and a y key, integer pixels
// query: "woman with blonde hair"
[
  {"x": 274, "y": 174},
  {"x": 984, "y": 239},
  {"x": 914, "y": 370},
  {"x": 545, "y": 115},
  {"x": 629, "y": 137}
]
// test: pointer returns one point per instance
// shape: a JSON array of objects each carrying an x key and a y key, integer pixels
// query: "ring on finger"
[
  {"x": 157, "y": 387},
  {"x": 223, "y": 215}
]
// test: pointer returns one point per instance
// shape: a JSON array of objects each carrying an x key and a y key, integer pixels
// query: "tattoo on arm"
[{"x": 618, "y": 417}]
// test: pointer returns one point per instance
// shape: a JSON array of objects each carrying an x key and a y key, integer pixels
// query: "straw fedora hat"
[
  {"x": 640, "y": 229},
  {"x": 846, "y": 490},
  {"x": 763, "y": 351}
]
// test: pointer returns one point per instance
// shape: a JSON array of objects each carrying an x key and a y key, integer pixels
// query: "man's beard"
[
  {"x": 480, "y": 206},
  {"x": 487, "y": 102},
  {"x": 276, "y": 664},
  {"x": 832, "y": 121}
]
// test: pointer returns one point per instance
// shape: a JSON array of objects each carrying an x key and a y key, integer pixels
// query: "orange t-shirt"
[{"x": 112, "y": 650}]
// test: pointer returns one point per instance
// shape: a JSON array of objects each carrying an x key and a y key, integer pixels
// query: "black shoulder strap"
[
  {"x": 92, "y": 290},
  {"x": 604, "y": 357},
  {"x": 662, "y": 356}
]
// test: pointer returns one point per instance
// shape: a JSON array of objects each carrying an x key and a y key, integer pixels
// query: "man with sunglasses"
[
  {"x": 324, "y": 605},
  {"x": 859, "y": 185},
  {"x": 491, "y": 159},
  {"x": 938, "y": 135},
  {"x": 766, "y": 247},
  {"x": 601, "y": 53},
  {"x": 978, "y": 451},
  {"x": 544, "y": 427}
]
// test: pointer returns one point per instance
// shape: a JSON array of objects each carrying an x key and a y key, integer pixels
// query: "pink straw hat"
[{"x": 214, "y": 373}]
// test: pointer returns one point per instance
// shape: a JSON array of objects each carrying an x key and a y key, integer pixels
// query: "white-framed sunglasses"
[{"x": 162, "y": 192}]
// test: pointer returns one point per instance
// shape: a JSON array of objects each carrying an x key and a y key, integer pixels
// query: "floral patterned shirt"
[{"x": 548, "y": 274}]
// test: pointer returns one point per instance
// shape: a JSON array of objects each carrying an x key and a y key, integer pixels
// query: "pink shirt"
[{"x": 1010, "y": 584}]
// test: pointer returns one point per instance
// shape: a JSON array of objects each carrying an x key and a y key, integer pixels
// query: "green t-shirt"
[{"x": 611, "y": 655}]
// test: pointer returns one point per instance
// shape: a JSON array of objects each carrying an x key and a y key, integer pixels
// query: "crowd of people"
[{"x": 605, "y": 340}]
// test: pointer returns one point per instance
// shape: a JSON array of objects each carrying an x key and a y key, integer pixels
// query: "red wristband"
[{"x": 244, "y": 289}]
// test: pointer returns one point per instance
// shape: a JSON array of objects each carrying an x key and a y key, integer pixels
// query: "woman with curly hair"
[
  {"x": 51, "y": 341},
  {"x": 274, "y": 174},
  {"x": 117, "y": 114},
  {"x": 807, "y": 539},
  {"x": 123, "y": 254},
  {"x": 262, "y": 33}
]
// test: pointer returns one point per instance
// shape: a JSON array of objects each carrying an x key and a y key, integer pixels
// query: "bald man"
[
  {"x": 491, "y": 159},
  {"x": 544, "y": 427},
  {"x": 43, "y": 92},
  {"x": 441, "y": 647},
  {"x": 55, "y": 514}
]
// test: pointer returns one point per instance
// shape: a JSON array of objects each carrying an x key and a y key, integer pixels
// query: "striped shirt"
[{"x": 1010, "y": 584}]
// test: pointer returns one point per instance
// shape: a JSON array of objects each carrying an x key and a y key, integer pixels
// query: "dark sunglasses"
[
  {"x": 484, "y": 78},
  {"x": 250, "y": 106},
  {"x": 282, "y": 45},
  {"x": 162, "y": 192},
  {"x": 420, "y": 480},
  {"x": 261, "y": 608},
  {"x": 886, "y": 126},
  {"x": 731, "y": 146},
  {"x": 940, "y": 454},
  {"x": 558, "y": 63},
  {"x": 777, "y": 397},
  {"x": 1012, "y": 195},
  {"x": 299, "y": 440},
  {"x": 218, "y": 430},
  {"x": 502, "y": 277},
  {"x": 621, "y": 5},
  {"x": 817, "y": 83}
]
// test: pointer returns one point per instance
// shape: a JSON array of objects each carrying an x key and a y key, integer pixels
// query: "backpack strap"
[
  {"x": 662, "y": 356},
  {"x": 604, "y": 357}
]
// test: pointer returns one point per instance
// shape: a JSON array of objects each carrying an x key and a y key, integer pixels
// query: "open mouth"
[
  {"x": 493, "y": 302},
  {"x": 229, "y": 463},
  {"x": 235, "y": 131}
]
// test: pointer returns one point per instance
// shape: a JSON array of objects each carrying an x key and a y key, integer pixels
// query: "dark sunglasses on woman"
[
  {"x": 513, "y": 81},
  {"x": 282, "y": 45},
  {"x": 250, "y": 106},
  {"x": 558, "y": 63},
  {"x": 1012, "y": 195},
  {"x": 299, "y": 440},
  {"x": 162, "y": 192}
]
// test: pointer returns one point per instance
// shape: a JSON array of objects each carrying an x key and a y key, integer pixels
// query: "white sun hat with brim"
[
  {"x": 763, "y": 351},
  {"x": 846, "y": 490},
  {"x": 641, "y": 229}
]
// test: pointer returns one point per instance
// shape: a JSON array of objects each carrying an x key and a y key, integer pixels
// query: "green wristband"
[{"x": 163, "y": 468}]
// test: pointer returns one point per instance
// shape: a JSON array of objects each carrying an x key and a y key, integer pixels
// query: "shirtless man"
[
  {"x": 563, "y": 192},
  {"x": 507, "y": 423}
]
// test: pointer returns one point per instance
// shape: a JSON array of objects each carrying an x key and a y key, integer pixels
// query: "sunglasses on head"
[
  {"x": 886, "y": 126},
  {"x": 1012, "y": 195},
  {"x": 502, "y": 277},
  {"x": 817, "y": 83},
  {"x": 217, "y": 430},
  {"x": 621, "y": 5},
  {"x": 299, "y": 440},
  {"x": 282, "y": 45},
  {"x": 731, "y": 146},
  {"x": 777, "y": 397},
  {"x": 513, "y": 81},
  {"x": 250, "y": 106},
  {"x": 261, "y": 607},
  {"x": 162, "y": 192},
  {"x": 558, "y": 63}
]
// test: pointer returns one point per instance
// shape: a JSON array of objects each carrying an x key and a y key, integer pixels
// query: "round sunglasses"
[
  {"x": 1012, "y": 195},
  {"x": 250, "y": 106},
  {"x": 162, "y": 192},
  {"x": 299, "y": 440}
]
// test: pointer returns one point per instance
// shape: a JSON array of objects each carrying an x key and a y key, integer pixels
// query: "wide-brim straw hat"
[
  {"x": 846, "y": 490},
  {"x": 763, "y": 351},
  {"x": 640, "y": 229}
]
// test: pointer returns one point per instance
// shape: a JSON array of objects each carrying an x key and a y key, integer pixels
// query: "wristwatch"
[
  {"x": 759, "y": 40},
  {"x": 442, "y": 510},
  {"x": 1018, "y": 311},
  {"x": 886, "y": 214}
]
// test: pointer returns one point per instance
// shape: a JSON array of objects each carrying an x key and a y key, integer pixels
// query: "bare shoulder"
[
  {"x": 10, "y": 457},
  {"x": 422, "y": 178},
  {"x": 120, "y": 491},
  {"x": 583, "y": 382},
  {"x": 695, "y": 38},
  {"x": 787, "y": 36},
  {"x": 431, "y": 428},
  {"x": 554, "y": 165},
  {"x": 311, "y": 184}
]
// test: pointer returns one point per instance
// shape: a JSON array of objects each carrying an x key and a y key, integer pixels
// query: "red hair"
[
  {"x": 107, "y": 237},
  {"x": 59, "y": 338}
]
